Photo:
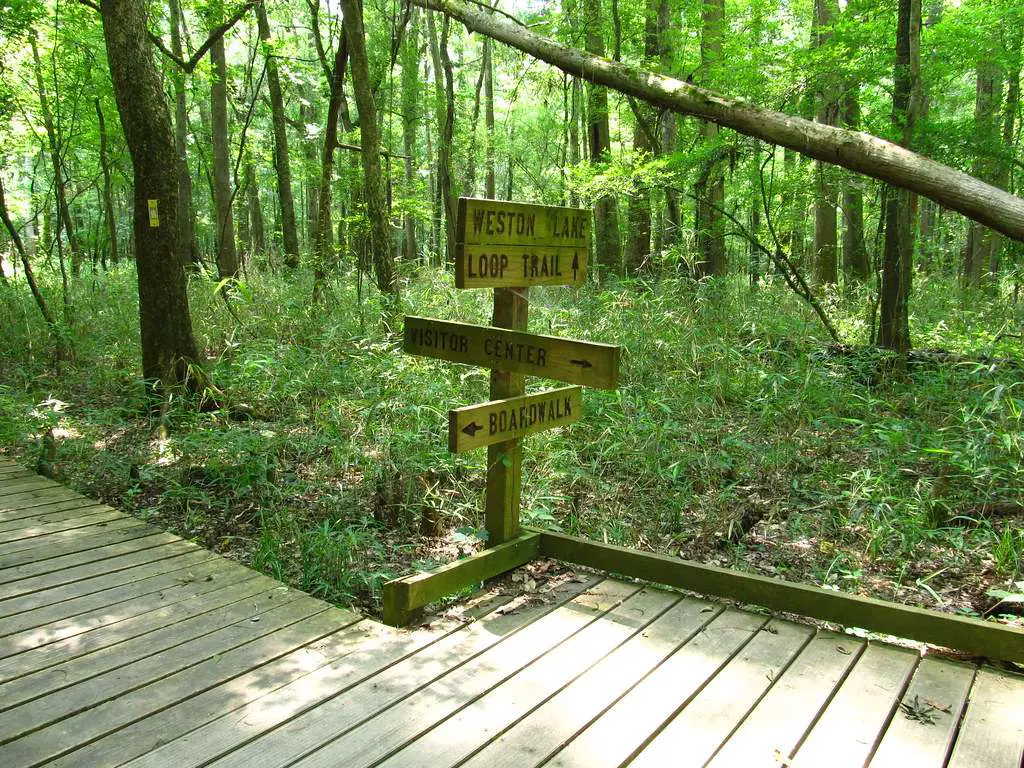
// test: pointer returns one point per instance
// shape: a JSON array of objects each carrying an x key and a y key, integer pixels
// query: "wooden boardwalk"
[{"x": 121, "y": 644}]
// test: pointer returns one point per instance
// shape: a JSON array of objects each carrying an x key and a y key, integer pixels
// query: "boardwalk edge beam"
[
  {"x": 974, "y": 636},
  {"x": 403, "y": 596}
]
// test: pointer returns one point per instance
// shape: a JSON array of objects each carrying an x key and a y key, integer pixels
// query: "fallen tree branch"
[{"x": 854, "y": 150}]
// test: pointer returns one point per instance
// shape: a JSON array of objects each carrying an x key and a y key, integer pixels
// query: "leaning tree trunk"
[
  {"x": 227, "y": 254},
  {"x": 856, "y": 151},
  {"x": 898, "y": 249},
  {"x": 169, "y": 353},
  {"x": 373, "y": 179},
  {"x": 282, "y": 162}
]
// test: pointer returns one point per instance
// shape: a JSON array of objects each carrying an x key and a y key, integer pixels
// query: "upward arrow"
[{"x": 575, "y": 264}]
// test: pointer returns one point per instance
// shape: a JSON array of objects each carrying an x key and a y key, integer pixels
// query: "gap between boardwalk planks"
[
  {"x": 391, "y": 729},
  {"x": 622, "y": 729},
  {"x": 552, "y": 724},
  {"x": 351, "y": 696}
]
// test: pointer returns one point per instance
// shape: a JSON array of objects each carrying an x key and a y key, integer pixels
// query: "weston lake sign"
[
  {"x": 512, "y": 418},
  {"x": 575, "y": 362},
  {"x": 505, "y": 245}
]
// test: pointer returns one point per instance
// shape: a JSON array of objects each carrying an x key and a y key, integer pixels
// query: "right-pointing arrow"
[
  {"x": 472, "y": 428},
  {"x": 582, "y": 363}
]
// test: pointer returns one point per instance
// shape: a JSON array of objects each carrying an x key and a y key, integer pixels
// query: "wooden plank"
[
  {"x": 48, "y": 726},
  {"x": 623, "y": 728},
  {"x": 510, "y": 266},
  {"x": 71, "y": 561},
  {"x": 939, "y": 692},
  {"x": 89, "y": 653},
  {"x": 551, "y": 725},
  {"x": 403, "y": 596},
  {"x": 101, "y": 515},
  {"x": 386, "y": 724},
  {"x": 450, "y": 741},
  {"x": 851, "y": 725},
  {"x": 983, "y": 638},
  {"x": 501, "y": 222},
  {"x": 575, "y": 362},
  {"x": 11, "y": 467},
  {"x": 79, "y": 502},
  {"x": 335, "y": 716},
  {"x": 43, "y": 544},
  {"x": 36, "y": 498},
  {"x": 65, "y": 737},
  {"x": 98, "y": 584},
  {"x": 695, "y": 733},
  {"x": 42, "y": 626},
  {"x": 25, "y": 586},
  {"x": 44, "y": 516},
  {"x": 512, "y": 418},
  {"x": 47, "y": 554},
  {"x": 403, "y": 659},
  {"x": 992, "y": 732},
  {"x": 19, "y": 485},
  {"x": 780, "y": 720},
  {"x": 196, "y": 710}
]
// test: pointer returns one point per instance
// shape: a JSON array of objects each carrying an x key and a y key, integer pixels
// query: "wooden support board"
[
  {"x": 405, "y": 595},
  {"x": 512, "y": 418},
  {"x": 983, "y": 638},
  {"x": 589, "y": 363}
]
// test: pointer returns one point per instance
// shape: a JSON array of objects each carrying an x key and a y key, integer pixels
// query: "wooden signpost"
[{"x": 508, "y": 247}]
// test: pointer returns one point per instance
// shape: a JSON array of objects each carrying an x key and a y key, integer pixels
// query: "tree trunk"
[
  {"x": 410, "y": 121},
  {"x": 859, "y": 152},
  {"x": 169, "y": 353},
  {"x": 639, "y": 254},
  {"x": 710, "y": 188},
  {"x": 252, "y": 194},
  {"x": 323, "y": 247},
  {"x": 445, "y": 111},
  {"x": 227, "y": 254},
  {"x": 373, "y": 179},
  {"x": 856, "y": 266},
  {"x": 488, "y": 65},
  {"x": 282, "y": 162},
  {"x": 19, "y": 247},
  {"x": 827, "y": 113},
  {"x": 606, "y": 218},
  {"x": 187, "y": 245},
  {"x": 59, "y": 182},
  {"x": 108, "y": 186},
  {"x": 898, "y": 253},
  {"x": 988, "y": 95}
]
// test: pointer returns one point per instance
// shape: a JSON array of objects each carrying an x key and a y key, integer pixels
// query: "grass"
[{"x": 731, "y": 409}]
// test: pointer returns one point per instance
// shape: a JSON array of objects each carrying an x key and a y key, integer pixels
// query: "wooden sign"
[
  {"x": 515, "y": 417},
  {"x": 502, "y": 244},
  {"x": 568, "y": 360}
]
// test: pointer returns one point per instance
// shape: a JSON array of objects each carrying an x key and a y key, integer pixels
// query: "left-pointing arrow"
[{"x": 472, "y": 428}]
